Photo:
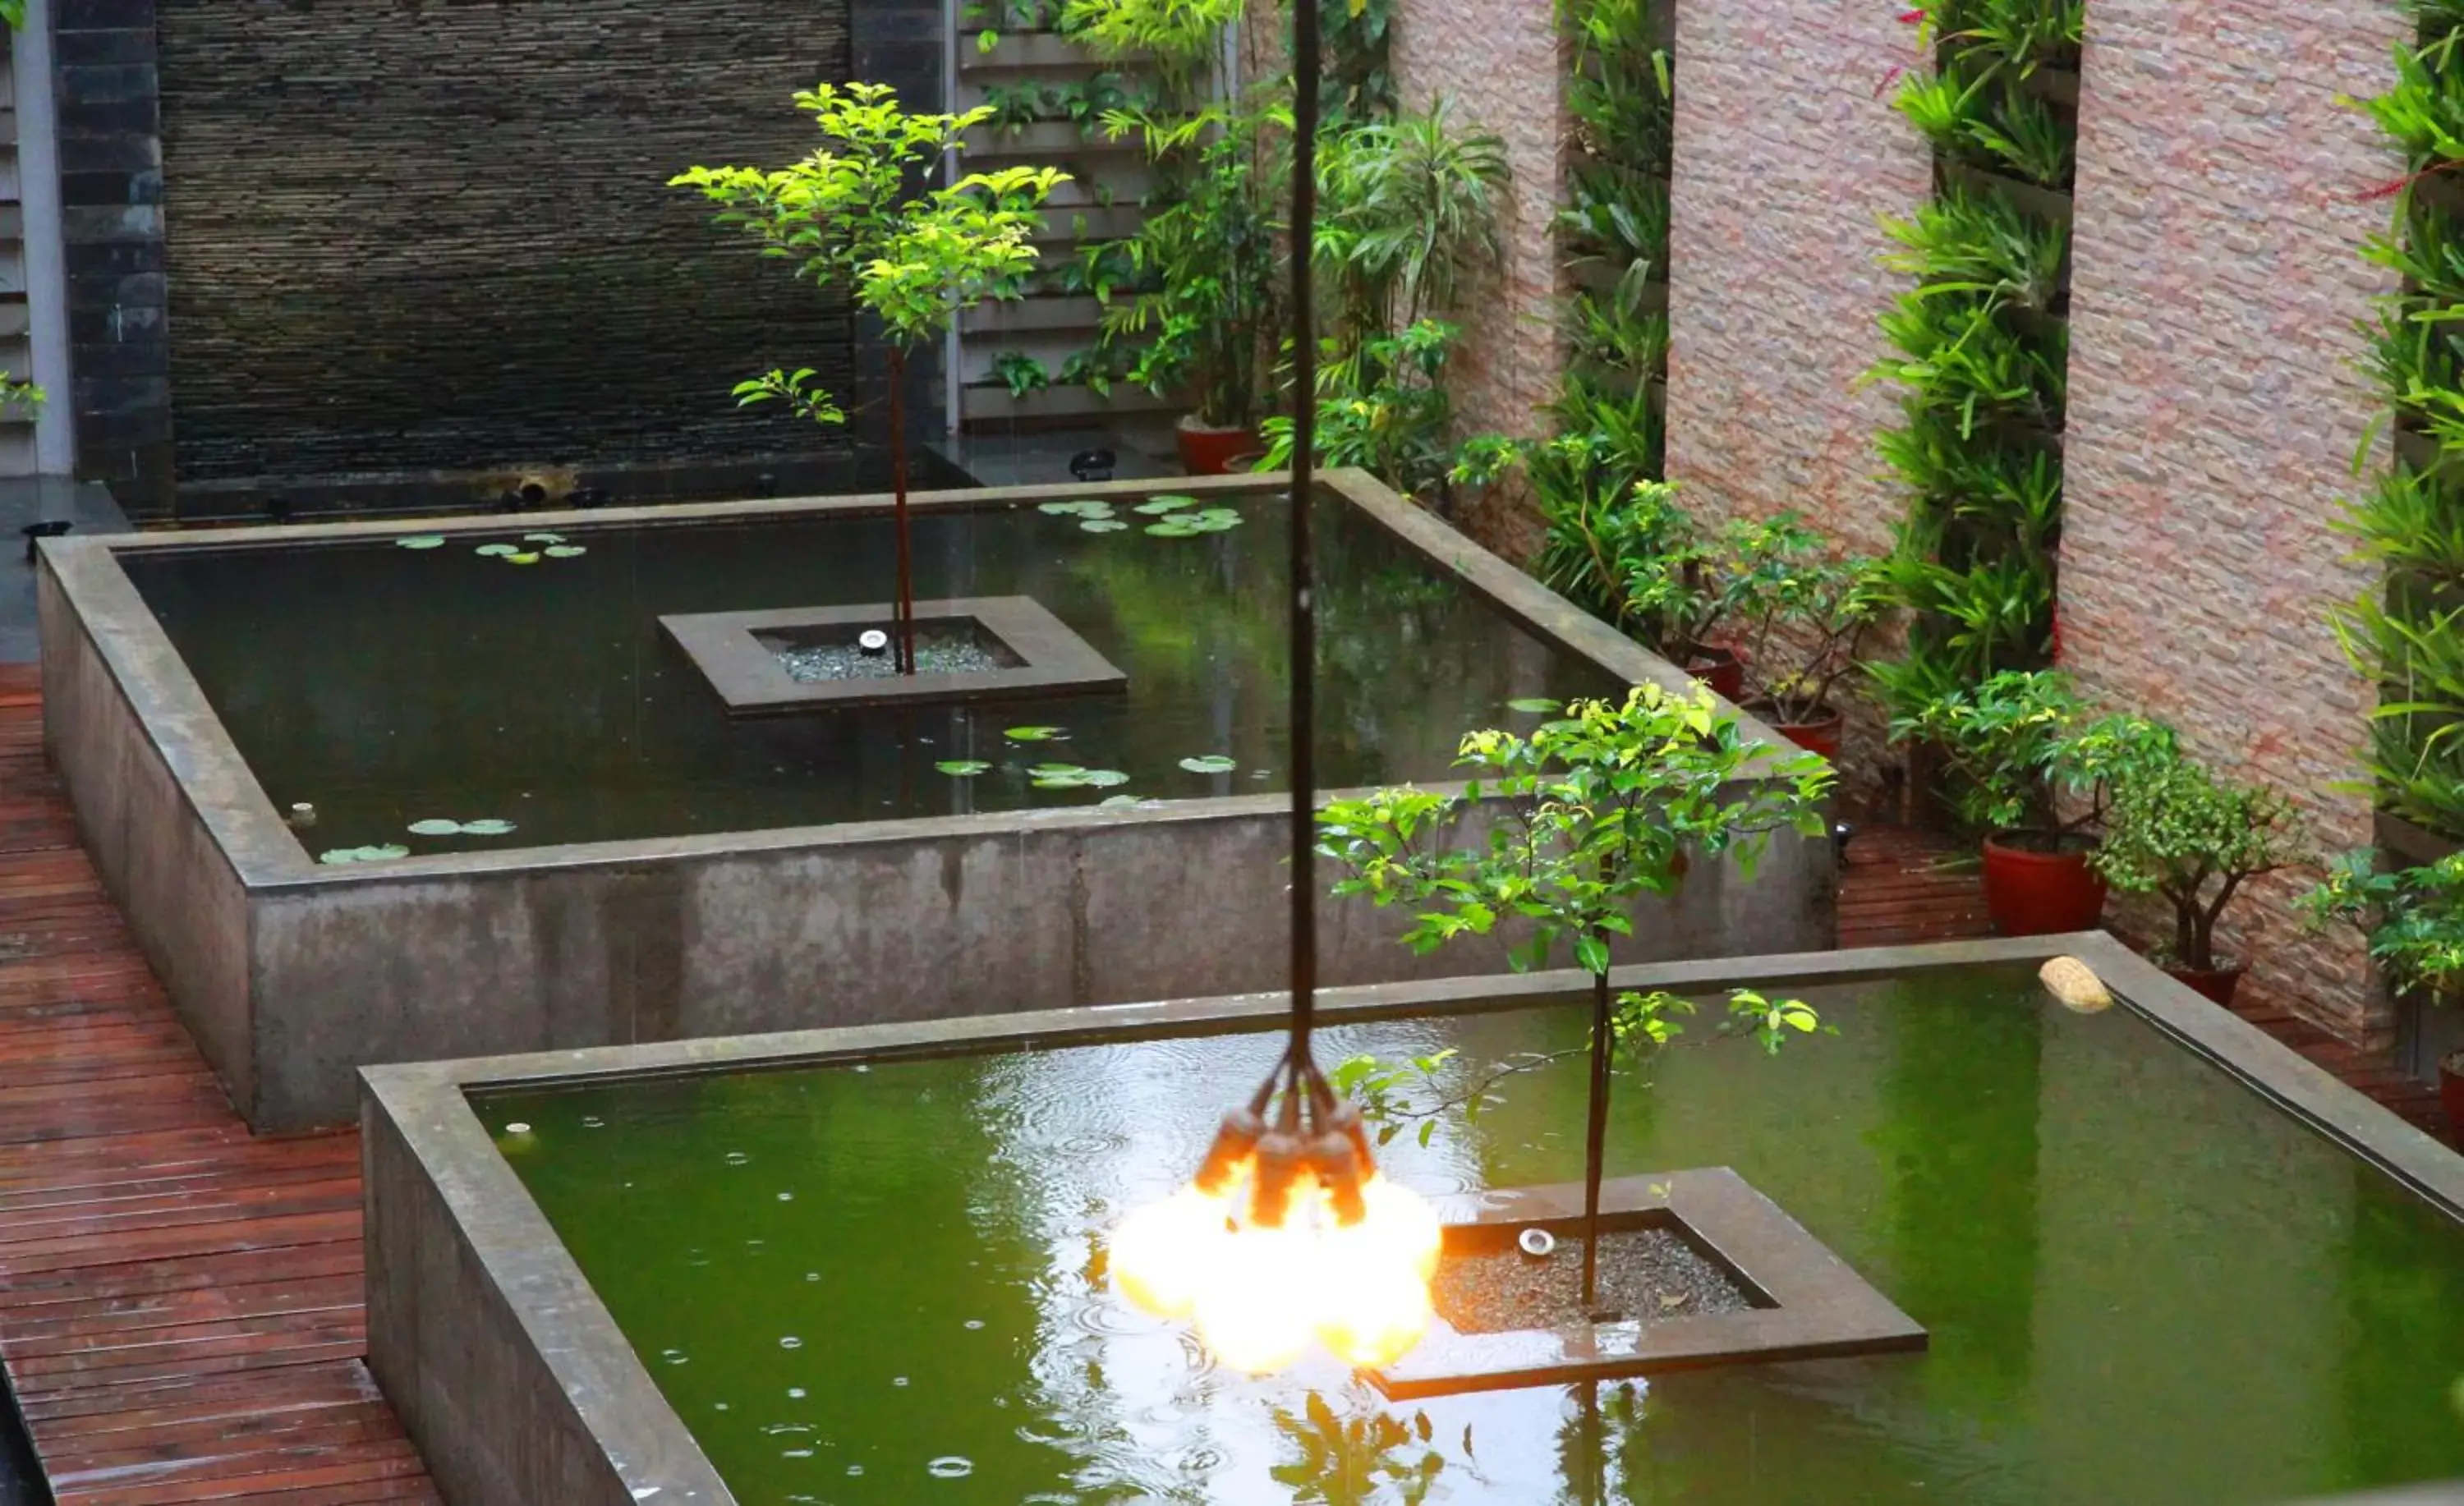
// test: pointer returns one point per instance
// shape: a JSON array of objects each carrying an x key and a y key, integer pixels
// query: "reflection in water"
[{"x": 2191, "y": 1299}]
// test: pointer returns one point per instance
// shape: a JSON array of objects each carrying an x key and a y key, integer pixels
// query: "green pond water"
[
  {"x": 388, "y": 687},
  {"x": 2143, "y": 1283}
]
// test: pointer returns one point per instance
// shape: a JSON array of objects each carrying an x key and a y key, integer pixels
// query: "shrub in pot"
[
  {"x": 2412, "y": 920},
  {"x": 2175, "y": 830},
  {"x": 2018, "y": 751},
  {"x": 1804, "y": 618}
]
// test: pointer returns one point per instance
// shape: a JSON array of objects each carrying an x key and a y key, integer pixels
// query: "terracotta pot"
[
  {"x": 1720, "y": 668},
  {"x": 1209, "y": 451},
  {"x": 2039, "y": 893},
  {"x": 1820, "y": 735},
  {"x": 2451, "y": 1088},
  {"x": 2216, "y": 984}
]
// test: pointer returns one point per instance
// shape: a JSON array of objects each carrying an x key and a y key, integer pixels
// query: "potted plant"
[
  {"x": 1207, "y": 260},
  {"x": 854, "y": 216},
  {"x": 2413, "y": 922},
  {"x": 1604, "y": 803},
  {"x": 2016, "y": 748},
  {"x": 2173, "y": 829},
  {"x": 1804, "y": 617}
]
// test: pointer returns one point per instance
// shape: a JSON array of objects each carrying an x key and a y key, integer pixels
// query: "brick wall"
[
  {"x": 2215, "y": 410},
  {"x": 1501, "y": 63},
  {"x": 1788, "y": 155}
]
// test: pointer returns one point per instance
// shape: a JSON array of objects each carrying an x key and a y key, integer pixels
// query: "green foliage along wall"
[
  {"x": 2408, "y": 636},
  {"x": 1980, "y": 343},
  {"x": 1615, "y": 228}
]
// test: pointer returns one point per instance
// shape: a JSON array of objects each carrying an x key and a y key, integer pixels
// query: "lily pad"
[
  {"x": 377, "y": 853},
  {"x": 1159, "y": 505},
  {"x": 488, "y": 826},
  {"x": 496, "y": 549},
  {"x": 1070, "y": 777},
  {"x": 1103, "y": 778},
  {"x": 1536, "y": 705},
  {"x": 1210, "y": 763},
  {"x": 1176, "y": 528},
  {"x": 542, "y": 539},
  {"x": 962, "y": 768},
  {"x": 434, "y": 826},
  {"x": 1177, "y": 499},
  {"x": 1119, "y": 801},
  {"x": 1102, "y": 525},
  {"x": 420, "y": 541},
  {"x": 1088, "y": 508},
  {"x": 523, "y": 558},
  {"x": 564, "y": 551},
  {"x": 1214, "y": 520},
  {"x": 1056, "y": 771},
  {"x": 1035, "y": 734}
]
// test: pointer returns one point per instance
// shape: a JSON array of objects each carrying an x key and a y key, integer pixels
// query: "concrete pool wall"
[
  {"x": 518, "y": 1385},
  {"x": 291, "y": 975}
]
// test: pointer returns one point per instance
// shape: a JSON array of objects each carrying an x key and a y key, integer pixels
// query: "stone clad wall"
[
  {"x": 1500, "y": 62},
  {"x": 2224, "y": 193}
]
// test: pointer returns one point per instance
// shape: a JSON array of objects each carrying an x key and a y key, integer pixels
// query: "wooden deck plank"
[{"x": 182, "y": 1311}]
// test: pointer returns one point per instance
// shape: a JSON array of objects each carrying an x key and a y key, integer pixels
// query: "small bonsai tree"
[
  {"x": 1579, "y": 821},
  {"x": 851, "y": 216},
  {"x": 2175, "y": 830}
]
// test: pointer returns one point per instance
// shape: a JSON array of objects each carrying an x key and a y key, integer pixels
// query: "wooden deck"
[{"x": 180, "y": 1301}]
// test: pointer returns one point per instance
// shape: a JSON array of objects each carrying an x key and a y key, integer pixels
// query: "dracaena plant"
[
  {"x": 2175, "y": 830},
  {"x": 859, "y": 216}
]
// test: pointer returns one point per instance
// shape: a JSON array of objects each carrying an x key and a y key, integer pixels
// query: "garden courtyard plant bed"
[
  {"x": 869, "y": 1264},
  {"x": 528, "y": 821}
]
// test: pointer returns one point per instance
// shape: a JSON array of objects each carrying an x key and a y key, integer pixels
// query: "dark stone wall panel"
[{"x": 416, "y": 235}]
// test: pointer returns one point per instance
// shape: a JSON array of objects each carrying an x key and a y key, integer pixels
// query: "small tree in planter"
[
  {"x": 851, "y": 216},
  {"x": 2413, "y": 923},
  {"x": 2020, "y": 751},
  {"x": 2175, "y": 830},
  {"x": 1584, "y": 819}
]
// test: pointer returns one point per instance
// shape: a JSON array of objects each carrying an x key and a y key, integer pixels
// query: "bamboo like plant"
[{"x": 851, "y": 218}]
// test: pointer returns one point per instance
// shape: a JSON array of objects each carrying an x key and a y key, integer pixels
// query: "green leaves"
[
  {"x": 962, "y": 768},
  {"x": 437, "y": 826},
  {"x": 1586, "y": 817},
  {"x": 1036, "y": 734},
  {"x": 498, "y": 551},
  {"x": 384, "y": 853},
  {"x": 420, "y": 541},
  {"x": 1210, "y": 763},
  {"x": 1189, "y": 525},
  {"x": 1070, "y": 776}
]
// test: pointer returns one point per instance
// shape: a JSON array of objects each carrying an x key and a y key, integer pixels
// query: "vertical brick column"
[
  {"x": 1502, "y": 64},
  {"x": 2215, "y": 410},
  {"x": 111, "y": 197},
  {"x": 1788, "y": 155}
]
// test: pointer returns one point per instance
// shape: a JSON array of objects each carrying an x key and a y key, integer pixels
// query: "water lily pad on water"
[
  {"x": 524, "y": 559},
  {"x": 435, "y": 827},
  {"x": 1035, "y": 734},
  {"x": 1102, "y": 525},
  {"x": 377, "y": 853},
  {"x": 496, "y": 549},
  {"x": 1119, "y": 801},
  {"x": 962, "y": 768},
  {"x": 420, "y": 541},
  {"x": 488, "y": 826},
  {"x": 1210, "y": 763},
  {"x": 1214, "y": 520},
  {"x": 1159, "y": 506},
  {"x": 542, "y": 539},
  {"x": 563, "y": 551},
  {"x": 1176, "y": 528},
  {"x": 1091, "y": 508},
  {"x": 1070, "y": 777},
  {"x": 1536, "y": 705}
]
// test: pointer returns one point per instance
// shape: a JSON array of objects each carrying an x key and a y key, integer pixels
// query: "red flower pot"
[
  {"x": 1209, "y": 451},
  {"x": 1820, "y": 735},
  {"x": 2033, "y": 888},
  {"x": 1720, "y": 668},
  {"x": 2211, "y": 983}
]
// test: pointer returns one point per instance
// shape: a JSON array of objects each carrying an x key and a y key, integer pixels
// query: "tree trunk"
[
  {"x": 905, "y": 617},
  {"x": 1595, "y": 1139}
]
